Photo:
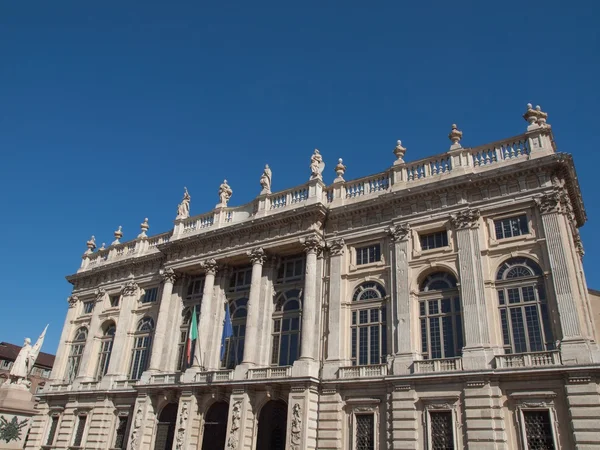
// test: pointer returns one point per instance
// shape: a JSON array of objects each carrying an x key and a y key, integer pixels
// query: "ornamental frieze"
[
  {"x": 462, "y": 220},
  {"x": 336, "y": 247},
  {"x": 399, "y": 233}
]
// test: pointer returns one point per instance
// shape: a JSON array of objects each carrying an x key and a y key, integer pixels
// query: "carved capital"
[
  {"x": 210, "y": 266},
  {"x": 168, "y": 275},
  {"x": 100, "y": 294},
  {"x": 336, "y": 247},
  {"x": 129, "y": 289},
  {"x": 553, "y": 202},
  {"x": 578, "y": 244},
  {"x": 257, "y": 256},
  {"x": 312, "y": 244},
  {"x": 462, "y": 220},
  {"x": 399, "y": 232},
  {"x": 72, "y": 299}
]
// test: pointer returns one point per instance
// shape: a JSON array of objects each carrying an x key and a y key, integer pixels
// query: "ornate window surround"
[
  {"x": 77, "y": 413},
  {"x": 353, "y": 254},
  {"x": 535, "y": 401},
  {"x": 419, "y": 231},
  {"x": 55, "y": 411},
  {"x": 356, "y": 406},
  {"x": 119, "y": 412},
  {"x": 491, "y": 230},
  {"x": 441, "y": 404}
]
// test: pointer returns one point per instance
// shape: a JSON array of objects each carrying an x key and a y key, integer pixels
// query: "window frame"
[
  {"x": 236, "y": 324},
  {"x": 153, "y": 292},
  {"x": 145, "y": 352},
  {"x": 103, "y": 354},
  {"x": 294, "y": 261},
  {"x": 47, "y": 434},
  {"x": 366, "y": 246},
  {"x": 79, "y": 415},
  {"x": 535, "y": 401},
  {"x": 87, "y": 304},
  {"x": 435, "y": 407},
  {"x": 370, "y": 304},
  {"x": 119, "y": 414},
  {"x": 279, "y": 316},
  {"x": 432, "y": 232},
  {"x": 78, "y": 357},
  {"x": 491, "y": 227},
  {"x": 364, "y": 406},
  {"x": 114, "y": 300}
]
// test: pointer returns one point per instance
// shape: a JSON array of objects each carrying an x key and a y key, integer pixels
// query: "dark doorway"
[
  {"x": 215, "y": 427},
  {"x": 272, "y": 424},
  {"x": 165, "y": 431}
]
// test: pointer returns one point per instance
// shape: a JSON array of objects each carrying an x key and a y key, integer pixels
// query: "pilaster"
[
  {"x": 59, "y": 368},
  {"x": 163, "y": 323},
  {"x": 117, "y": 366},
  {"x": 88, "y": 365},
  {"x": 583, "y": 399},
  {"x": 302, "y": 418},
  {"x": 331, "y": 420},
  {"x": 263, "y": 343},
  {"x": 403, "y": 431},
  {"x": 206, "y": 311},
  {"x": 240, "y": 423},
  {"x": 484, "y": 431},
  {"x": 187, "y": 412},
  {"x": 141, "y": 430}
]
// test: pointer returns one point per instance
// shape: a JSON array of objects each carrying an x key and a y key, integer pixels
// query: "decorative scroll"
[{"x": 72, "y": 299}]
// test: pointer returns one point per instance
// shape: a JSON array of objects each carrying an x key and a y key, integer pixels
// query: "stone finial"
[
  {"x": 455, "y": 136},
  {"x": 144, "y": 226},
  {"x": 340, "y": 169},
  {"x": 225, "y": 194},
  {"x": 91, "y": 245},
  {"x": 399, "y": 151},
  {"x": 102, "y": 247},
  {"x": 118, "y": 235},
  {"x": 316, "y": 165},
  {"x": 535, "y": 117},
  {"x": 183, "y": 209},
  {"x": 265, "y": 180}
]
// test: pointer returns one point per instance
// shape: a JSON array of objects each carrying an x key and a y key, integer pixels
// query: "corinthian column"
[
  {"x": 476, "y": 353},
  {"x": 257, "y": 257},
  {"x": 400, "y": 317},
  {"x": 312, "y": 246},
  {"x": 207, "y": 311},
  {"x": 162, "y": 322},
  {"x": 119, "y": 357},
  {"x": 59, "y": 368}
]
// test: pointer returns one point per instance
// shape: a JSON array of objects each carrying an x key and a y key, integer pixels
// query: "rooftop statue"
[
  {"x": 225, "y": 193},
  {"x": 316, "y": 165},
  {"x": 23, "y": 365},
  {"x": 183, "y": 209},
  {"x": 265, "y": 180}
]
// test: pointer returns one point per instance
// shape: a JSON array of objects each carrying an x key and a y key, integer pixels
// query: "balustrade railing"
[
  {"x": 213, "y": 376},
  {"x": 437, "y": 365},
  {"x": 367, "y": 185},
  {"x": 269, "y": 372},
  {"x": 164, "y": 378},
  {"x": 535, "y": 359},
  {"x": 289, "y": 197},
  {"x": 159, "y": 239},
  {"x": 375, "y": 370}
]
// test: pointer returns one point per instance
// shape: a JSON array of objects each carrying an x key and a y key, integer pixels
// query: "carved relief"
[
  {"x": 257, "y": 255},
  {"x": 130, "y": 288},
  {"x": 336, "y": 247},
  {"x": 312, "y": 244},
  {"x": 469, "y": 218},
  {"x": 210, "y": 266},
  {"x": 183, "y": 418},
  {"x": 236, "y": 415},
  {"x": 168, "y": 275},
  {"x": 296, "y": 434},
  {"x": 100, "y": 294},
  {"x": 73, "y": 299},
  {"x": 554, "y": 202},
  {"x": 137, "y": 424},
  {"x": 399, "y": 233},
  {"x": 578, "y": 243}
]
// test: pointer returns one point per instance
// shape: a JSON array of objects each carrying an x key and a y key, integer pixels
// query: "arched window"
[
  {"x": 286, "y": 328},
  {"x": 440, "y": 317},
  {"x": 184, "y": 331},
  {"x": 76, "y": 353},
  {"x": 234, "y": 347},
  {"x": 523, "y": 307},
  {"x": 106, "y": 345},
  {"x": 141, "y": 348},
  {"x": 368, "y": 328}
]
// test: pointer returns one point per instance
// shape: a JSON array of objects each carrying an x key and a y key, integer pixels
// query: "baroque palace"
[{"x": 440, "y": 304}]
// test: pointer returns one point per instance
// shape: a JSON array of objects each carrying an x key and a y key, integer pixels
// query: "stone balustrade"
[
  {"x": 437, "y": 365},
  {"x": 214, "y": 376},
  {"x": 164, "y": 378},
  {"x": 266, "y": 373},
  {"x": 402, "y": 175},
  {"x": 537, "y": 359},
  {"x": 375, "y": 370}
]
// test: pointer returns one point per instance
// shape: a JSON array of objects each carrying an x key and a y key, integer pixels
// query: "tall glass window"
[
  {"x": 286, "y": 328},
  {"x": 183, "y": 335},
  {"x": 141, "y": 348},
  {"x": 368, "y": 327},
  {"x": 106, "y": 345},
  {"x": 440, "y": 317},
  {"x": 234, "y": 347},
  {"x": 76, "y": 353},
  {"x": 523, "y": 308}
]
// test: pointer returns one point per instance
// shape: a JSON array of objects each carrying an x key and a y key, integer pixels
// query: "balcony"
[
  {"x": 375, "y": 370},
  {"x": 437, "y": 365},
  {"x": 536, "y": 359},
  {"x": 214, "y": 376},
  {"x": 164, "y": 378},
  {"x": 267, "y": 373}
]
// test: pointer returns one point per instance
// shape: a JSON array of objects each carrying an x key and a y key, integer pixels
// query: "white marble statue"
[
  {"x": 183, "y": 209},
  {"x": 25, "y": 359},
  {"x": 265, "y": 180},
  {"x": 225, "y": 193},
  {"x": 316, "y": 165}
]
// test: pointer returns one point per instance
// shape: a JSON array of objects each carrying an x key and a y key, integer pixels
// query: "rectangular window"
[
  {"x": 365, "y": 432},
  {"x": 121, "y": 430},
  {"x": 434, "y": 240},
  {"x": 52, "y": 431},
  {"x": 80, "y": 429},
  {"x": 367, "y": 255},
  {"x": 538, "y": 430},
  {"x": 441, "y": 430},
  {"x": 150, "y": 295},
  {"x": 291, "y": 269},
  {"x": 114, "y": 301},
  {"x": 240, "y": 279},
  {"x": 511, "y": 227},
  {"x": 88, "y": 307}
]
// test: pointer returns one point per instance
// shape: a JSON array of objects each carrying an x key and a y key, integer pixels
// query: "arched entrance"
[
  {"x": 215, "y": 427},
  {"x": 272, "y": 424},
  {"x": 165, "y": 431}
]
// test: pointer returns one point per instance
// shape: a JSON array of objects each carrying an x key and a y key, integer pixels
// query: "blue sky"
[{"x": 107, "y": 110}]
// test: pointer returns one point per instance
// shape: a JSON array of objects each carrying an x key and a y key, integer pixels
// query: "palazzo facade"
[{"x": 440, "y": 304}]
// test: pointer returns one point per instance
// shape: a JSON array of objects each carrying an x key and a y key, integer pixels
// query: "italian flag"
[{"x": 192, "y": 340}]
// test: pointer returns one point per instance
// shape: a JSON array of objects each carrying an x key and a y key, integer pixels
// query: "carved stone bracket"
[
  {"x": 336, "y": 247},
  {"x": 100, "y": 294},
  {"x": 257, "y": 255},
  {"x": 462, "y": 220},
  {"x": 210, "y": 266},
  {"x": 168, "y": 275},
  {"x": 556, "y": 201},
  {"x": 399, "y": 233},
  {"x": 296, "y": 431},
  {"x": 312, "y": 244},
  {"x": 72, "y": 299},
  {"x": 130, "y": 288}
]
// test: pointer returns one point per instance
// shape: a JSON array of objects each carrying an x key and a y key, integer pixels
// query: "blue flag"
[{"x": 227, "y": 331}]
